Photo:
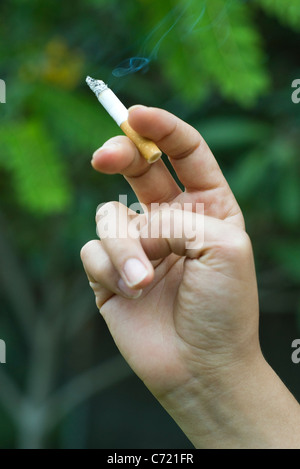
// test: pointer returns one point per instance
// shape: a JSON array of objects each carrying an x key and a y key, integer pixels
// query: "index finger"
[{"x": 150, "y": 182}]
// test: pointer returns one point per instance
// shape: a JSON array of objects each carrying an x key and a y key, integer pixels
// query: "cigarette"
[{"x": 119, "y": 113}]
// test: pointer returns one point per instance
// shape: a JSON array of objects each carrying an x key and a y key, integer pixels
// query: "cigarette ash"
[{"x": 97, "y": 86}]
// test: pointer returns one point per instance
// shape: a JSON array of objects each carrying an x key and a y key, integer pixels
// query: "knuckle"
[{"x": 239, "y": 246}]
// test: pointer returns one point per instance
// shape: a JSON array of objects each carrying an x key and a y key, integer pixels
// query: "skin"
[{"x": 189, "y": 325}]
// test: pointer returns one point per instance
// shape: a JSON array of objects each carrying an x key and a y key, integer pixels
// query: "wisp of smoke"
[
  {"x": 167, "y": 24},
  {"x": 132, "y": 65},
  {"x": 141, "y": 62}
]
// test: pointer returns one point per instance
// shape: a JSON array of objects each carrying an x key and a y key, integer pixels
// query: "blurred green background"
[{"x": 226, "y": 67}]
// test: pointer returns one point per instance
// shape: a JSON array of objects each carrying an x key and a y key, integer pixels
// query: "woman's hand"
[{"x": 183, "y": 310}]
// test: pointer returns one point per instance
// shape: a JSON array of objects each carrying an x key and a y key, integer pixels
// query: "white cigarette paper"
[{"x": 119, "y": 113}]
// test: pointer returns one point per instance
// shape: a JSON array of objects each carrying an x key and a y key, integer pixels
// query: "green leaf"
[
  {"x": 39, "y": 177},
  {"x": 231, "y": 132},
  {"x": 207, "y": 46},
  {"x": 231, "y": 51},
  {"x": 249, "y": 174},
  {"x": 76, "y": 120},
  {"x": 287, "y": 11}
]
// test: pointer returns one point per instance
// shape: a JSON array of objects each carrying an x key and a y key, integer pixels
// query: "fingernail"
[
  {"x": 134, "y": 272},
  {"x": 128, "y": 291}
]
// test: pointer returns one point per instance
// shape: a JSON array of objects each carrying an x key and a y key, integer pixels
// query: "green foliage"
[
  {"x": 228, "y": 47},
  {"x": 39, "y": 178},
  {"x": 288, "y": 12},
  {"x": 210, "y": 44},
  {"x": 80, "y": 124},
  {"x": 269, "y": 177},
  {"x": 197, "y": 48},
  {"x": 234, "y": 132}
]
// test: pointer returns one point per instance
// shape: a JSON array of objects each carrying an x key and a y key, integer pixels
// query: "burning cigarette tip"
[
  {"x": 119, "y": 113},
  {"x": 97, "y": 86}
]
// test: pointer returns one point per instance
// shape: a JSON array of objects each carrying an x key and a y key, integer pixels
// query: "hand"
[{"x": 186, "y": 320}]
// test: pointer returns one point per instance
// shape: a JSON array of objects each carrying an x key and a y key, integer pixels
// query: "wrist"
[{"x": 245, "y": 406}]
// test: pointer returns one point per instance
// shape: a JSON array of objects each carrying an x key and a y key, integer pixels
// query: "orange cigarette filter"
[{"x": 148, "y": 149}]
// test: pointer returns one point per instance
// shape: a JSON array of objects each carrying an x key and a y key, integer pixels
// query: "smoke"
[
  {"x": 132, "y": 65},
  {"x": 184, "y": 16},
  {"x": 161, "y": 30}
]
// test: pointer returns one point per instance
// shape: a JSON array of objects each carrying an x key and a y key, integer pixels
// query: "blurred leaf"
[
  {"x": 230, "y": 49},
  {"x": 233, "y": 132},
  {"x": 77, "y": 120},
  {"x": 38, "y": 172},
  {"x": 270, "y": 171},
  {"x": 281, "y": 151},
  {"x": 185, "y": 73},
  {"x": 249, "y": 174},
  {"x": 208, "y": 44},
  {"x": 288, "y": 12},
  {"x": 168, "y": 43}
]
